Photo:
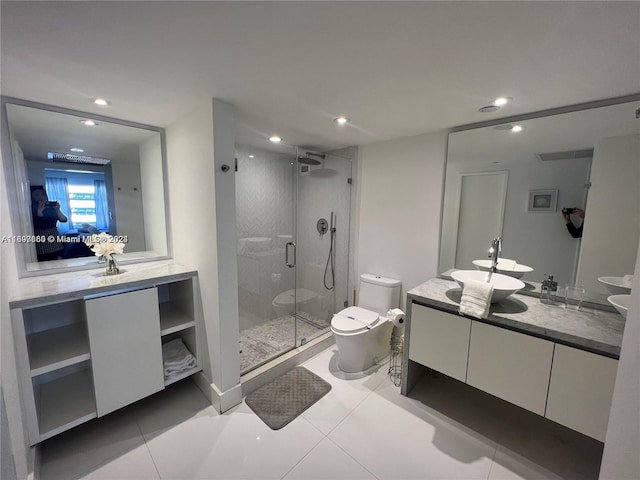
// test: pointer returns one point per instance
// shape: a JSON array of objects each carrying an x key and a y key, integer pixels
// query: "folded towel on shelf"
[
  {"x": 176, "y": 358},
  {"x": 506, "y": 264},
  {"x": 627, "y": 280},
  {"x": 476, "y": 298}
]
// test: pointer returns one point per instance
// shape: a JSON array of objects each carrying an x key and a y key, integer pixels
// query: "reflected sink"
[
  {"x": 621, "y": 302},
  {"x": 503, "y": 286},
  {"x": 516, "y": 272},
  {"x": 617, "y": 285}
]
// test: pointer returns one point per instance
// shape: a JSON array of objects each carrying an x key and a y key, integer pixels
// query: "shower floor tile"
[{"x": 268, "y": 339}]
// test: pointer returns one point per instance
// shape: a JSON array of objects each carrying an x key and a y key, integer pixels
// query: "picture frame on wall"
[{"x": 543, "y": 200}]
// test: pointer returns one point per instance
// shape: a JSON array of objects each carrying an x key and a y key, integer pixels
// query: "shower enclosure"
[{"x": 293, "y": 225}]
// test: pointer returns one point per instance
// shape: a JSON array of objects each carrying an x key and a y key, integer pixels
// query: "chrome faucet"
[{"x": 494, "y": 253}]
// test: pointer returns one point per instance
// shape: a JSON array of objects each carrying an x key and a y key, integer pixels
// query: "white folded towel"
[
  {"x": 506, "y": 264},
  {"x": 627, "y": 280},
  {"x": 176, "y": 358},
  {"x": 476, "y": 298}
]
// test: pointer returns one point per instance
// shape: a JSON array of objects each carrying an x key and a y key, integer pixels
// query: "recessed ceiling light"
[
  {"x": 251, "y": 156},
  {"x": 76, "y": 150},
  {"x": 275, "y": 139},
  {"x": 516, "y": 128},
  {"x": 89, "y": 122},
  {"x": 342, "y": 120},
  {"x": 500, "y": 101},
  {"x": 489, "y": 109},
  {"x": 101, "y": 102}
]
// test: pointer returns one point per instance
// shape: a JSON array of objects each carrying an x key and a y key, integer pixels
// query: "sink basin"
[
  {"x": 617, "y": 285},
  {"x": 503, "y": 286},
  {"x": 621, "y": 302},
  {"x": 516, "y": 272}
]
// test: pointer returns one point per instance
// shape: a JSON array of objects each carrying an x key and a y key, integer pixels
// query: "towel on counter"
[
  {"x": 176, "y": 358},
  {"x": 506, "y": 264},
  {"x": 476, "y": 298}
]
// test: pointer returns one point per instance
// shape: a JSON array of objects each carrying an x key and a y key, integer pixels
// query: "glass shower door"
[{"x": 266, "y": 190}]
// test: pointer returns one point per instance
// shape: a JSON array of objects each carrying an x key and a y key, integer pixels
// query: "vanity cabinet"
[
  {"x": 440, "y": 341},
  {"x": 580, "y": 390},
  {"x": 84, "y": 357},
  {"x": 510, "y": 365}
]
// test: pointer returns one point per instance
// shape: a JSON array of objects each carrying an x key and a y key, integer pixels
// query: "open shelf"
[
  {"x": 173, "y": 319},
  {"x": 64, "y": 403},
  {"x": 182, "y": 375},
  {"x": 58, "y": 348}
]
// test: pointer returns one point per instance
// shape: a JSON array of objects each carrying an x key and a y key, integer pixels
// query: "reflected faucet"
[{"x": 494, "y": 253}]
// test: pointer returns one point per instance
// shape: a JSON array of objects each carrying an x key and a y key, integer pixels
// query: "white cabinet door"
[
  {"x": 510, "y": 365},
  {"x": 440, "y": 341},
  {"x": 126, "y": 351},
  {"x": 580, "y": 390}
]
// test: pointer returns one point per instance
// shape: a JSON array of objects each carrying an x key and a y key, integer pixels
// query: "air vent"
[
  {"x": 569, "y": 155},
  {"x": 71, "y": 158}
]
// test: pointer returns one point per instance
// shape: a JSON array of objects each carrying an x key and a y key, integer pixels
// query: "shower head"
[{"x": 306, "y": 158}]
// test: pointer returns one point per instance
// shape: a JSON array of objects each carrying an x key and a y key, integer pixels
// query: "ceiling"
[{"x": 395, "y": 68}]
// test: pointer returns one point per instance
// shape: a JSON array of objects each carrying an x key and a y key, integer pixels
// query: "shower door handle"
[{"x": 286, "y": 255}]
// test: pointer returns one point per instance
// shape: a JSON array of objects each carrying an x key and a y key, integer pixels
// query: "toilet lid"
[
  {"x": 353, "y": 320},
  {"x": 288, "y": 298}
]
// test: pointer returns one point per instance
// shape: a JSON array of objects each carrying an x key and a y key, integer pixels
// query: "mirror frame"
[
  {"x": 635, "y": 97},
  {"x": 10, "y": 183}
]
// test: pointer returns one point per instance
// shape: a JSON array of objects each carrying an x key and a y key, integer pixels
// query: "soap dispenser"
[{"x": 548, "y": 290}]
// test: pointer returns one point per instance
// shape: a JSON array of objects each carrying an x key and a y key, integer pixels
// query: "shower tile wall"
[
  {"x": 318, "y": 197},
  {"x": 264, "y": 193}
]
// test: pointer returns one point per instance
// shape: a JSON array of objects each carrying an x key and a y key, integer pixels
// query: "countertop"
[
  {"x": 591, "y": 329},
  {"x": 47, "y": 289}
]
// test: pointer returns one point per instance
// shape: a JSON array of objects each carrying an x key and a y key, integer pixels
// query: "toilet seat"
[{"x": 354, "y": 320}]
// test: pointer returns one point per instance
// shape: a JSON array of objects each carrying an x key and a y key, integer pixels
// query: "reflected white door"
[{"x": 480, "y": 215}]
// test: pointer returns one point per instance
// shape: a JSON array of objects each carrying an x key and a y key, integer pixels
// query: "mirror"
[
  {"x": 514, "y": 184},
  {"x": 107, "y": 177}
]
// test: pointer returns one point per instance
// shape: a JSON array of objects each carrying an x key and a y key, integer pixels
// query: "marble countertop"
[
  {"x": 591, "y": 329},
  {"x": 47, "y": 289}
]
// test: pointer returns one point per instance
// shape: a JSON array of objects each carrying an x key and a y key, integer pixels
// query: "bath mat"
[{"x": 286, "y": 397}]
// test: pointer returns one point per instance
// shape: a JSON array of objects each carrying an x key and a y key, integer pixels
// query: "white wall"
[
  {"x": 194, "y": 234},
  {"x": 152, "y": 183},
  {"x": 612, "y": 218},
  {"x": 400, "y": 199},
  {"x": 620, "y": 459}
]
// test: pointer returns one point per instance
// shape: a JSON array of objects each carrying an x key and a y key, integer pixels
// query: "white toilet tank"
[{"x": 379, "y": 294}]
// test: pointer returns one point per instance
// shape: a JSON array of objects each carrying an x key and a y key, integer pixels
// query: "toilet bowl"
[
  {"x": 362, "y": 337},
  {"x": 303, "y": 299},
  {"x": 363, "y": 333}
]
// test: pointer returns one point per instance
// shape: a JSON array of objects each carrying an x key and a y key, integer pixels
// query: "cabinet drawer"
[
  {"x": 580, "y": 390},
  {"x": 510, "y": 365},
  {"x": 440, "y": 341}
]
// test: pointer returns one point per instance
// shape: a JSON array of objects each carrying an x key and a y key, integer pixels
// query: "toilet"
[
  {"x": 304, "y": 300},
  {"x": 363, "y": 333}
]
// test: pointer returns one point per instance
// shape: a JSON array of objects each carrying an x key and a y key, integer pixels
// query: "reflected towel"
[
  {"x": 506, "y": 264},
  {"x": 476, "y": 298}
]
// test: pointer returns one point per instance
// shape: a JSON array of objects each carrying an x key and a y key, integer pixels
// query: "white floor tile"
[
  {"x": 396, "y": 437},
  {"x": 236, "y": 444},
  {"x": 134, "y": 465},
  {"x": 345, "y": 393},
  {"x": 328, "y": 461}
]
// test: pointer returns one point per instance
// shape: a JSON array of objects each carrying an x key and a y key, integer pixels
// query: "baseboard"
[
  {"x": 221, "y": 401},
  {"x": 265, "y": 373}
]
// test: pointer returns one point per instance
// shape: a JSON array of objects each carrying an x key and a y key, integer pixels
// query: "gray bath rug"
[{"x": 286, "y": 397}]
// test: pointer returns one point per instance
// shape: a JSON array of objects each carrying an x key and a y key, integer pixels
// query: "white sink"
[
  {"x": 503, "y": 286},
  {"x": 516, "y": 272},
  {"x": 621, "y": 302},
  {"x": 617, "y": 285}
]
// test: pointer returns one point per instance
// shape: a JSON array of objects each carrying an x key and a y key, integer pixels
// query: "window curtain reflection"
[
  {"x": 102, "y": 210},
  {"x": 57, "y": 191}
]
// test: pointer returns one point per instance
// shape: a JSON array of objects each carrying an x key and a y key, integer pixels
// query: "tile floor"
[{"x": 362, "y": 429}]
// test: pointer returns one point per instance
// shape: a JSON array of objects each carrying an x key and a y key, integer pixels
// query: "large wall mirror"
[
  {"x": 514, "y": 184},
  {"x": 104, "y": 175}
]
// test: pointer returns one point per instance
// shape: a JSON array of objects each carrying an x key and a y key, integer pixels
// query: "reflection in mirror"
[
  {"x": 74, "y": 179},
  {"x": 500, "y": 182}
]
